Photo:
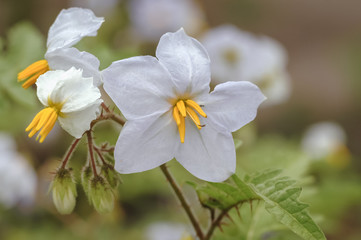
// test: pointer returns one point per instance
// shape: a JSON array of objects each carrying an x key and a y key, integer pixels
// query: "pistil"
[
  {"x": 32, "y": 72},
  {"x": 180, "y": 111}
]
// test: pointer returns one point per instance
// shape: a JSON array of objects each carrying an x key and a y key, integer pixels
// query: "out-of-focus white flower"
[
  {"x": 103, "y": 7},
  {"x": 163, "y": 99},
  {"x": 167, "y": 231},
  {"x": 70, "y": 26},
  {"x": 240, "y": 56},
  {"x": 152, "y": 18},
  {"x": 323, "y": 139},
  {"x": 68, "y": 97},
  {"x": 17, "y": 177}
]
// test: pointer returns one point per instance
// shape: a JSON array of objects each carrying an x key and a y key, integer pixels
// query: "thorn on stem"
[{"x": 229, "y": 217}]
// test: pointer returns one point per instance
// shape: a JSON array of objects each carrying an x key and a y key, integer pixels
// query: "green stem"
[{"x": 183, "y": 201}]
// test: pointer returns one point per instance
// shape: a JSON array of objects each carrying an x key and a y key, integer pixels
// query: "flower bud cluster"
[{"x": 101, "y": 188}]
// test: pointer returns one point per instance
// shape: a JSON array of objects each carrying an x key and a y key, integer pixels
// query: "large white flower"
[
  {"x": 240, "y": 56},
  {"x": 152, "y": 18},
  {"x": 171, "y": 113},
  {"x": 70, "y": 26},
  {"x": 68, "y": 97},
  {"x": 17, "y": 177}
]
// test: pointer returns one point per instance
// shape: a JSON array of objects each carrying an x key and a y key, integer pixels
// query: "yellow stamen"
[
  {"x": 180, "y": 111},
  {"x": 32, "y": 72},
  {"x": 194, "y": 117},
  {"x": 182, "y": 129},
  {"x": 176, "y": 115},
  {"x": 44, "y": 120},
  {"x": 196, "y": 107},
  {"x": 182, "y": 108}
]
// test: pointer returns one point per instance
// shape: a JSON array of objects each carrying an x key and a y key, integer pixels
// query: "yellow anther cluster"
[
  {"x": 45, "y": 121},
  {"x": 180, "y": 111},
  {"x": 32, "y": 72}
]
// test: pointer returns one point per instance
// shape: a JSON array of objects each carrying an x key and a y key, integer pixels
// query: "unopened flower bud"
[
  {"x": 85, "y": 179},
  {"x": 110, "y": 175},
  {"x": 64, "y": 191},
  {"x": 101, "y": 195}
]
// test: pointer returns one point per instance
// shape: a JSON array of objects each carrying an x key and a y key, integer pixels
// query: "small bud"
[
  {"x": 64, "y": 191},
  {"x": 101, "y": 195},
  {"x": 86, "y": 174},
  {"x": 110, "y": 175}
]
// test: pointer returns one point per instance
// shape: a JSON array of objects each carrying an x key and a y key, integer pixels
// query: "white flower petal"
[
  {"x": 146, "y": 143},
  {"x": 71, "y": 26},
  {"x": 75, "y": 92},
  {"x": 65, "y": 58},
  {"x": 186, "y": 60},
  {"x": 233, "y": 104},
  {"x": 139, "y": 86},
  {"x": 76, "y": 123},
  {"x": 46, "y": 83},
  {"x": 207, "y": 154}
]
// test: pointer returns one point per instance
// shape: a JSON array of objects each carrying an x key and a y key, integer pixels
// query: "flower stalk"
[
  {"x": 91, "y": 153},
  {"x": 183, "y": 201},
  {"x": 70, "y": 152}
]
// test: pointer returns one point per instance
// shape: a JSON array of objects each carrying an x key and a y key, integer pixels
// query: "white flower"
[
  {"x": 240, "y": 56},
  {"x": 171, "y": 113},
  {"x": 167, "y": 231},
  {"x": 70, "y": 26},
  {"x": 322, "y": 139},
  {"x": 17, "y": 177},
  {"x": 68, "y": 97},
  {"x": 152, "y": 18}
]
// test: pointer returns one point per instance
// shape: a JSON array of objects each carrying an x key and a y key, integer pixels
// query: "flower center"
[
  {"x": 45, "y": 121},
  {"x": 180, "y": 111},
  {"x": 231, "y": 56},
  {"x": 32, "y": 72}
]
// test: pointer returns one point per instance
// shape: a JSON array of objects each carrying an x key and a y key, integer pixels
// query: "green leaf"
[
  {"x": 223, "y": 195},
  {"x": 278, "y": 193},
  {"x": 281, "y": 201}
]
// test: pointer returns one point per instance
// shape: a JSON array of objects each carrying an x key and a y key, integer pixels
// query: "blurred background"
[{"x": 313, "y": 132}]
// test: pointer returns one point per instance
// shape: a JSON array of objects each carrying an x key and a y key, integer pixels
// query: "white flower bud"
[{"x": 64, "y": 191}]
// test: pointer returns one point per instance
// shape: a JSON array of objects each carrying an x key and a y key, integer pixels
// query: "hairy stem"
[
  {"x": 97, "y": 150},
  {"x": 91, "y": 154},
  {"x": 113, "y": 116},
  {"x": 183, "y": 201},
  {"x": 69, "y": 152}
]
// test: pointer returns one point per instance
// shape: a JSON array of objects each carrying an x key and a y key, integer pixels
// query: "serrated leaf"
[
  {"x": 224, "y": 195},
  {"x": 278, "y": 192},
  {"x": 281, "y": 200}
]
